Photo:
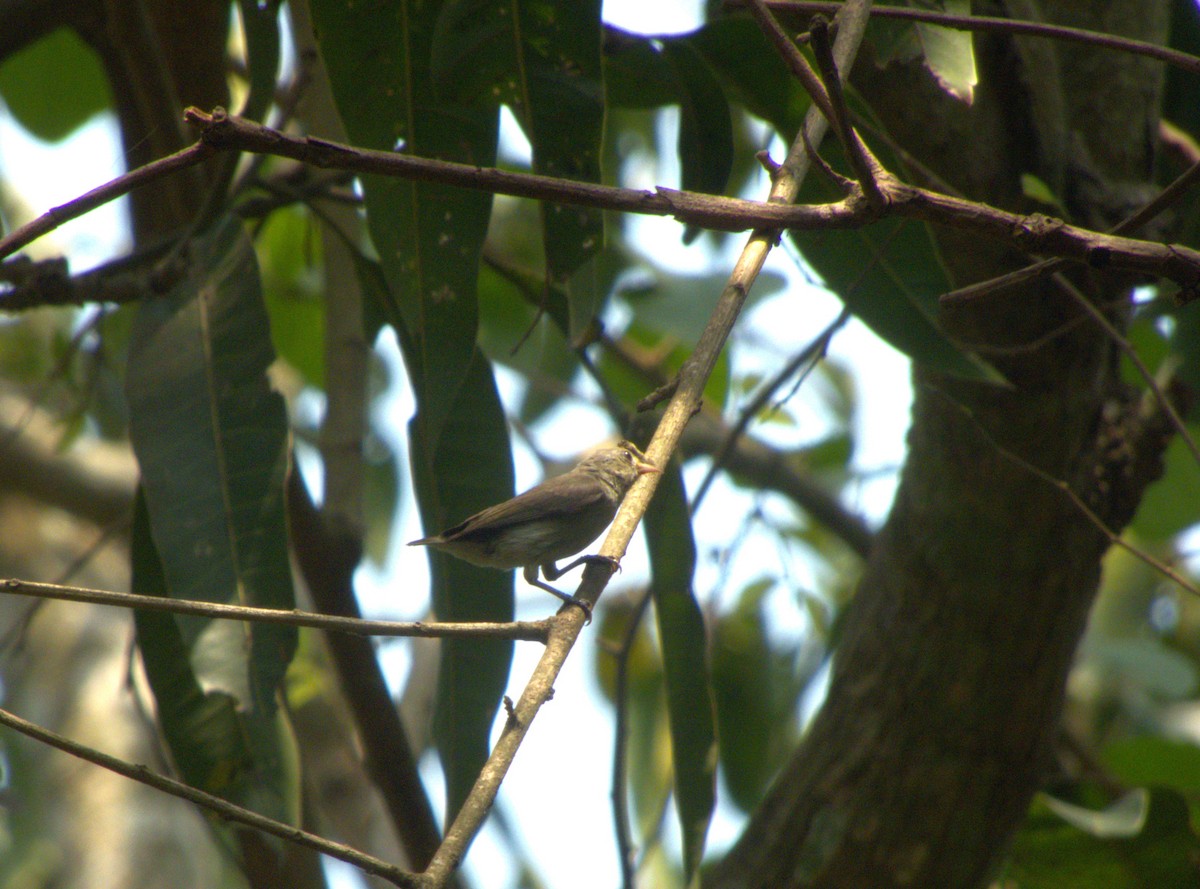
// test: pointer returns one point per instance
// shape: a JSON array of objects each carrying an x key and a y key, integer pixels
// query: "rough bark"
[{"x": 948, "y": 684}]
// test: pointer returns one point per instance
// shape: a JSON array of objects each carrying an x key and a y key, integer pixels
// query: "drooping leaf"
[
  {"x": 1158, "y": 761},
  {"x": 685, "y": 663},
  {"x": 291, "y": 290},
  {"x": 542, "y": 59},
  {"x": 428, "y": 239},
  {"x": 260, "y": 23},
  {"x": 210, "y": 742},
  {"x": 1173, "y": 505},
  {"x": 751, "y": 72},
  {"x": 211, "y": 441},
  {"x": 949, "y": 53},
  {"x": 890, "y": 275},
  {"x": 755, "y": 698},
  {"x": 647, "y": 738},
  {"x": 643, "y": 72}
]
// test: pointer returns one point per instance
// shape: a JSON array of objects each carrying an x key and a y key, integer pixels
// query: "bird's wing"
[{"x": 533, "y": 505}]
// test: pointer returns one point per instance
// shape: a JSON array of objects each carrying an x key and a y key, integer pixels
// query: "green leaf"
[
  {"x": 458, "y": 479},
  {"x": 291, "y": 289},
  {"x": 645, "y": 73},
  {"x": 211, "y": 441},
  {"x": 648, "y": 739},
  {"x": 260, "y": 23},
  {"x": 755, "y": 696},
  {"x": 1172, "y": 504},
  {"x": 1035, "y": 189},
  {"x": 685, "y": 662},
  {"x": 381, "y": 484},
  {"x": 629, "y": 385},
  {"x": 55, "y": 85},
  {"x": 1148, "y": 663},
  {"x": 428, "y": 238},
  {"x": 541, "y": 58},
  {"x": 949, "y": 53},
  {"x": 1185, "y": 346},
  {"x": 1050, "y": 853},
  {"x": 543, "y": 357},
  {"x": 1153, "y": 761},
  {"x": 705, "y": 125},
  {"x": 680, "y": 305},
  {"x": 751, "y": 71}
]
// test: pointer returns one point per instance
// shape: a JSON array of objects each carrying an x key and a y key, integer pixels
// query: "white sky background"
[{"x": 567, "y": 826}]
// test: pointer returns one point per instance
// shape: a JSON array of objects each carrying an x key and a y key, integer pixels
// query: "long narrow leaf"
[
  {"x": 685, "y": 663},
  {"x": 429, "y": 239},
  {"x": 211, "y": 440}
]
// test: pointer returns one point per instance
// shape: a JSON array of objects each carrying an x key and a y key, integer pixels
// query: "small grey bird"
[{"x": 549, "y": 522}]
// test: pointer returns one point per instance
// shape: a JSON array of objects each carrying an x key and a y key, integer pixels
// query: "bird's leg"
[
  {"x": 553, "y": 573},
  {"x": 531, "y": 577}
]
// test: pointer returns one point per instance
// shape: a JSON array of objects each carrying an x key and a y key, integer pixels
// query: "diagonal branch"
[
  {"x": 224, "y": 809},
  {"x": 684, "y": 403},
  {"x": 984, "y": 24},
  {"x": 1034, "y": 233}
]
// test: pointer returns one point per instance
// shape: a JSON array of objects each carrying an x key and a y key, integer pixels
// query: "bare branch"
[
  {"x": 995, "y": 25},
  {"x": 98, "y": 197},
  {"x": 227, "y": 810},
  {"x": 529, "y": 631}
]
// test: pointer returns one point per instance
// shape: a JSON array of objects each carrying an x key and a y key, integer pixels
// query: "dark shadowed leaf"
[
  {"x": 428, "y": 239},
  {"x": 685, "y": 662},
  {"x": 542, "y": 59},
  {"x": 1050, "y": 853},
  {"x": 211, "y": 441}
]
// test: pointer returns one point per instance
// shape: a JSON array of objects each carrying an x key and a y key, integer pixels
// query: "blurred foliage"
[{"x": 54, "y": 86}]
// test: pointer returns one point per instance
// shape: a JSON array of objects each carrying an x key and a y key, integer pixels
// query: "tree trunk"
[{"x": 948, "y": 683}]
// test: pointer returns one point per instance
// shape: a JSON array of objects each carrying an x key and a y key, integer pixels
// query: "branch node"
[{"x": 658, "y": 396}]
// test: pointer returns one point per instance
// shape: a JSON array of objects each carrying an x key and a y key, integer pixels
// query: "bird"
[{"x": 551, "y": 521}]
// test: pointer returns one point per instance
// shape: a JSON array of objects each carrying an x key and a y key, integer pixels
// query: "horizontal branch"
[
  {"x": 223, "y": 808},
  {"x": 222, "y": 130},
  {"x": 526, "y": 631},
  {"x": 1031, "y": 233}
]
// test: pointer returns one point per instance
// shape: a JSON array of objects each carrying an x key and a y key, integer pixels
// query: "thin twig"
[
  {"x": 227, "y": 810},
  {"x": 1034, "y": 233},
  {"x": 1172, "y": 193},
  {"x": 861, "y": 162},
  {"x": 692, "y": 377},
  {"x": 529, "y": 631},
  {"x": 992, "y": 24},
  {"x": 807, "y": 359},
  {"x": 1122, "y": 343},
  {"x": 97, "y": 197},
  {"x": 1112, "y": 536},
  {"x": 792, "y": 56}
]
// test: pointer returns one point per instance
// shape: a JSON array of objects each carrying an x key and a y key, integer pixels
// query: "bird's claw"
[
  {"x": 583, "y": 604},
  {"x": 613, "y": 564}
]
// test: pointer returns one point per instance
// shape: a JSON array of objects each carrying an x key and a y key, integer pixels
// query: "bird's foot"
[
  {"x": 614, "y": 565},
  {"x": 582, "y": 603}
]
